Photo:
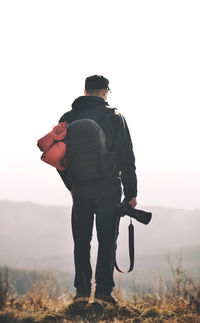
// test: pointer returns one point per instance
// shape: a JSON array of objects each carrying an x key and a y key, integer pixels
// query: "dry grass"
[
  {"x": 180, "y": 304},
  {"x": 33, "y": 308}
]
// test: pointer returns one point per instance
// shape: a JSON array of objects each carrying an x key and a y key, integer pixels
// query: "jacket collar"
[{"x": 85, "y": 102}]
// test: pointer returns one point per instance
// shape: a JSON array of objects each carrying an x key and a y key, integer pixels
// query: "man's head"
[{"x": 97, "y": 85}]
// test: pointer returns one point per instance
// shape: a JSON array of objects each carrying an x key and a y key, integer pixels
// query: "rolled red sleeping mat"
[
  {"x": 58, "y": 133},
  {"x": 55, "y": 155},
  {"x": 53, "y": 148},
  {"x": 46, "y": 142}
]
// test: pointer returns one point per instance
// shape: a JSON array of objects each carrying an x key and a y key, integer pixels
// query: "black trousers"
[{"x": 100, "y": 198}]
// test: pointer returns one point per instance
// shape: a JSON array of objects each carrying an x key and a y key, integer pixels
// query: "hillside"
[{"x": 39, "y": 236}]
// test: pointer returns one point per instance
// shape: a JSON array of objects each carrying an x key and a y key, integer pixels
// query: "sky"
[{"x": 149, "y": 51}]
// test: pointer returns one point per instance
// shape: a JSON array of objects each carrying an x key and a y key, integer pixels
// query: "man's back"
[
  {"x": 102, "y": 196},
  {"x": 116, "y": 133}
]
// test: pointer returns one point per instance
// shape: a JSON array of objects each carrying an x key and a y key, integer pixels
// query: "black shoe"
[{"x": 106, "y": 298}]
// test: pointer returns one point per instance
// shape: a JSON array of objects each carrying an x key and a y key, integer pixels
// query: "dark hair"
[{"x": 94, "y": 92}]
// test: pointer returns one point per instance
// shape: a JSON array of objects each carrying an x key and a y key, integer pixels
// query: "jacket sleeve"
[
  {"x": 65, "y": 177},
  {"x": 125, "y": 157}
]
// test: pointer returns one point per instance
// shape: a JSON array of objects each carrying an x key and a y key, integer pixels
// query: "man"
[{"x": 101, "y": 196}]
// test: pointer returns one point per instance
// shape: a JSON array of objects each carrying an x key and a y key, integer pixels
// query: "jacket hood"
[{"x": 85, "y": 102}]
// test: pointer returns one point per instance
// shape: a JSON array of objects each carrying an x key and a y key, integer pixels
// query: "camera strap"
[{"x": 131, "y": 248}]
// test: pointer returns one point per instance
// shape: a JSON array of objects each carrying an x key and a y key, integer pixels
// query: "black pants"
[{"x": 100, "y": 198}]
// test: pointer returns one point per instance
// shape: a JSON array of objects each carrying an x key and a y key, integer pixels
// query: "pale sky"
[{"x": 149, "y": 50}]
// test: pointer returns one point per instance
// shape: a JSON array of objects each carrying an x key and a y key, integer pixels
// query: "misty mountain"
[{"x": 39, "y": 236}]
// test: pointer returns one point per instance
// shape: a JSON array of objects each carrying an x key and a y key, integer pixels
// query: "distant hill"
[
  {"x": 34, "y": 235},
  {"x": 39, "y": 236}
]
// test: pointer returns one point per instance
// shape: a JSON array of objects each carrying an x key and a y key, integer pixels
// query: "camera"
[{"x": 139, "y": 215}]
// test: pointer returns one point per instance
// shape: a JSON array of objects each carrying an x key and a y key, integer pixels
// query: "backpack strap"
[
  {"x": 131, "y": 248},
  {"x": 96, "y": 114}
]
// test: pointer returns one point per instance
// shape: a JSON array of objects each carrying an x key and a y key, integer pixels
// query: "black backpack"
[{"x": 87, "y": 155}]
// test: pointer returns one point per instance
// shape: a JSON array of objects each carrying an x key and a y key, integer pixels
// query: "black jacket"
[{"x": 117, "y": 139}]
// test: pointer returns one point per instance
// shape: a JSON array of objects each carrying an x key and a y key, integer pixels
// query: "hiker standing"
[{"x": 94, "y": 189}]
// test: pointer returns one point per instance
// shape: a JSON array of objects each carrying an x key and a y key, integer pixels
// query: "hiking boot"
[{"x": 106, "y": 298}]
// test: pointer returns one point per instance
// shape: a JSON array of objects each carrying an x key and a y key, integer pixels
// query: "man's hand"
[
  {"x": 133, "y": 202},
  {"x": 71, "y": 193}
]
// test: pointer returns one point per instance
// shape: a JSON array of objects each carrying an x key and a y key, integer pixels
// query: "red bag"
[{"x": 53, "y": 148}]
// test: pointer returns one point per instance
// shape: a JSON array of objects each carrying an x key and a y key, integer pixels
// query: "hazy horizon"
[
  {"x": 149, "y": 50},
  {"x": 41, "y": 236},
  {"x": 69, "y": 204}
]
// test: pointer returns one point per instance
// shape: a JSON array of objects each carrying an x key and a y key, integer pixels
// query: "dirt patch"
[{"x": 94, "y": 312}]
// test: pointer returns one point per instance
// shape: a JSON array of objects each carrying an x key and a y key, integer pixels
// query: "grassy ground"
[
  {"x": 178, "y": 304},
  {"x": 32, "y": 308},
  {"x": 96, "y": 312}
]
